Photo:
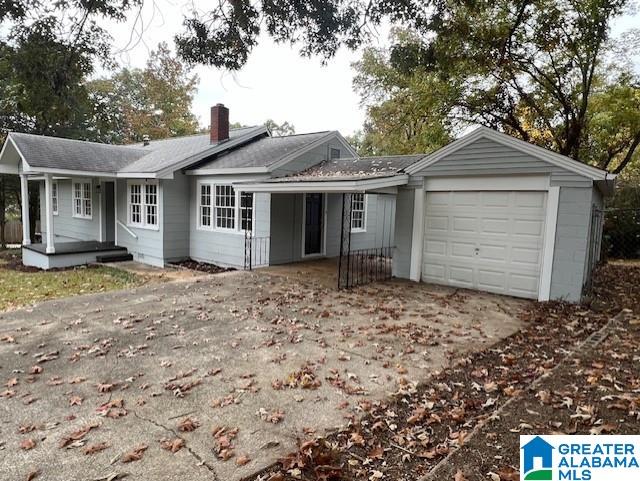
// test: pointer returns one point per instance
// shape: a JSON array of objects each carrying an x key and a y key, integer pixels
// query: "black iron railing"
[
  {"x": 364, "y": 266},
  {"x": 256, "y": 251}
]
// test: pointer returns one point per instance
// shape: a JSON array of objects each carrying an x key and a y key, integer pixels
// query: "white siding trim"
[
  {"x": 487, "y": 183},
  {"x": 417, "y": 236},
  {"x": 553, "y": 201},
  {"x": 50, "y": 249}
]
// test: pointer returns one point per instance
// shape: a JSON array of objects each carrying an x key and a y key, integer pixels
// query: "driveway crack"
[{"x": 199, "y": 458}]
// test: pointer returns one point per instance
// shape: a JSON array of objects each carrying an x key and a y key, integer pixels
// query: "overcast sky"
[{"x": 276, "y": 82}]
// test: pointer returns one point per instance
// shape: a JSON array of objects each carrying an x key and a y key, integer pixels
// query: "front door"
[{"x": 313, "y": 210}]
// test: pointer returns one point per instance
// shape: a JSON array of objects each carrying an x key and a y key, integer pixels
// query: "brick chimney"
[{"x": 219, "y": 123}]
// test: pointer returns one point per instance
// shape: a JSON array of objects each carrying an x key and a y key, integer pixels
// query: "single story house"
[{"x": 487, "y": 212}]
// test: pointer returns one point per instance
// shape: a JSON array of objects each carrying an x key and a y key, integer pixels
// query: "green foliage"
[
  {"x": 154, "y": 101},
  {"x": 278, "y": 130}
]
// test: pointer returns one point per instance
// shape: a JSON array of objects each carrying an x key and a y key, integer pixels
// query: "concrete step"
[{"x": 114, "y": 258}]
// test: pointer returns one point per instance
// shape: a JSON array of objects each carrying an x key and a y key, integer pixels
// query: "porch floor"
[{"x": 80, "y": 247}]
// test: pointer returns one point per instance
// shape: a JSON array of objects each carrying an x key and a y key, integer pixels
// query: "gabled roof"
[
  {"x": 172, "y": 153},
  {"x": 263, "y": 152},
  {"x": 58, "y": 153},
  {"x": 161, "y": 157},
  {"x": 545, "y": 155}
]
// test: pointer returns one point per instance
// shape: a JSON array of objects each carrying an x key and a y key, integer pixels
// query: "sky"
[{"x": 276, "y": 83}]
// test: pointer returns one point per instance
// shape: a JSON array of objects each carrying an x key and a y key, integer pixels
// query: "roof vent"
[
  {"x": 219, "y": 123},
  {"x": 145, "y": 140}
]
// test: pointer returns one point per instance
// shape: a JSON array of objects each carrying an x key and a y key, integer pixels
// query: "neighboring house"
[{"x": 486, "y": 212}]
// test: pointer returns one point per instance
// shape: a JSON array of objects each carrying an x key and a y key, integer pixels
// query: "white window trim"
[
  {"x": 56, "y": 187},
  {"x": 364, "y": 217},
  {"x": 237, "y": 229},
  {"x": 73, "y": 198},
  {"x": 143, "y": 215}
]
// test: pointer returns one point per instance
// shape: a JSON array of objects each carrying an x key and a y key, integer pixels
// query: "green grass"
[{"x": 19, "y": 288}]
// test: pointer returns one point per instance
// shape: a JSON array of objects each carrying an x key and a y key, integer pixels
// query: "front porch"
[{"x": 68, "y": 254}]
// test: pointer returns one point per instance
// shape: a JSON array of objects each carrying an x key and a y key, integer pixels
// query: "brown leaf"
[
  {"x": 187, "y": 425},
  {"x": 33, "y": 474},
  {"x": 242, "y": 460},
  {"x": 102, "y": 388},
  {"x": 95, "y": 448},
  {"x": 12, "y": 382},
  {"x": 36, "y": 370},
  {"x": 77, "y": 435},
  {"x": 75, "y": 401},
  {"x": 27, "y": 444},
  {"x": 135, "y": 454},
  {"x": 173, "y": 445}
]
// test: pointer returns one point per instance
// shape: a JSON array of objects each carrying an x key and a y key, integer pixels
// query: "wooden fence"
[{"x": 13, "y": 231}]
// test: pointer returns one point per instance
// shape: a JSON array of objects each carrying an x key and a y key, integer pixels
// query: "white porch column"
[
  {"x": 24, "y": 194},
  {"x": 417, "y": 235},
  {"x": 49, "y": 214}
]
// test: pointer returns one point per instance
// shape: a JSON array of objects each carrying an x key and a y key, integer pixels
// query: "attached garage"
[
  {"x": 485, "y": 240},
  {"x": 494, "y": 213}
]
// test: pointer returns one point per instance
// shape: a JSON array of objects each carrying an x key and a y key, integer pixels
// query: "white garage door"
[{"x": 485, "y": 240}]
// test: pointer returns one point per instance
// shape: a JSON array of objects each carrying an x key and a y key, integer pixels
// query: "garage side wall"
[
  {"x": 572, "y": 240},
  {"x": 403, "y": 233}
]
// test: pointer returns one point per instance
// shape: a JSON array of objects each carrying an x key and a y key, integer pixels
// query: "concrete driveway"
[{"x": 234, "y": 366}]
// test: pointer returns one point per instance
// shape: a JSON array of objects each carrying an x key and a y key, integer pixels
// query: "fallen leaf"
[{"x": 135, "y": 454}]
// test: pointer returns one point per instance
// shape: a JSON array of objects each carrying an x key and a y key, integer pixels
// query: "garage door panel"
[
  {"x": 491, "y": 280},
  {"x": 528, "y": 228},
  {"x": 466, "y": 199},
  {"x": 434, "y": 272},
  {"x": 495, "y": 226},
  {"x": 530, "y": 200},
  {"x": 436, "y": 247},
  {"x": 495, "y": 199},
  {"x": 485, "y": 240},
  {"x": 435, "y": 223},
  {"x": 464, "y": 224},
  {"x": 529, "y": 256},
  {"x": 461, "y": 275},
  {"x": 493, "y": 252}
]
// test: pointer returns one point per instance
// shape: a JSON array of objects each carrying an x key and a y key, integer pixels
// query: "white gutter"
[{"x": 338, "y": 186}]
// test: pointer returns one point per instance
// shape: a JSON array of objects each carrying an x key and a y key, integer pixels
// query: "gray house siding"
[
  {"x": 403, "y": 233},
  {"x": 572, "y": 239},
  {"x": 224, "y": 248},
  {"x": 148, "y": 246},
  {"x": 286, "y": 228},
  {"x": 175, "y": 200},
  {"x": 67, "y": 228},
  {"x": 488, "y": 157}
]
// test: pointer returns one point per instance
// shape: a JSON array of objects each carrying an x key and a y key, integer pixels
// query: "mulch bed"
[
  {"x": 406, "y": 436},
  {"x": 12, "y": 260},
  {"x": 202, "y": 266}
]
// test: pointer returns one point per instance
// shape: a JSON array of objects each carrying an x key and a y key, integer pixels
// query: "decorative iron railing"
[
  {"x": 364, "y": 266},
  {"x": 256, "y": 251}
]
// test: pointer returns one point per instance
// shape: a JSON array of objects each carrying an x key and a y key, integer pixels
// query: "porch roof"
[{"x": 362, "y": 174}]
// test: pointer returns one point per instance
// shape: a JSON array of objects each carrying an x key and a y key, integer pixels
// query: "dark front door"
[
  {"x": 109, "y": 212},
  {"x": 313, "y": 224}
]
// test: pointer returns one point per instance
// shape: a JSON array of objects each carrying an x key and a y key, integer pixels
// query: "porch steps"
[{"x": 114, "y": 258}]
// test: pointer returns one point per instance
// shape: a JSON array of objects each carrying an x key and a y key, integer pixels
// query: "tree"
[
  {"x": 154, "y": 101},
  {"x": 527, "y": 67},
  {"x": 278, "y": 130}
]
